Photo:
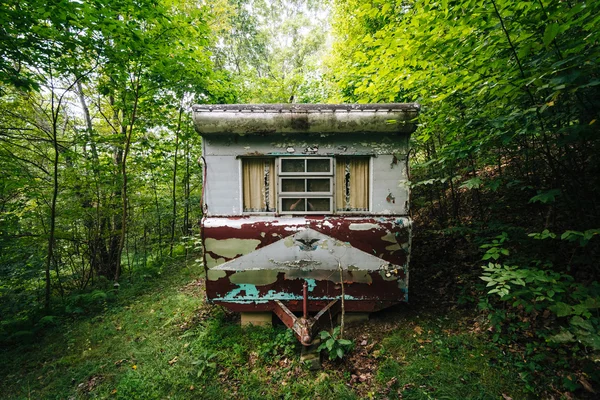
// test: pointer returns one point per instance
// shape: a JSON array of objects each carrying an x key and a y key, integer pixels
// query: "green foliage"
[
  {"x": 495, "y": 249},
  {"x": 283, "y": 345},
  {"x": 334, "y": 345},
  {"x": 205, "y": 362},
  {"x": 92, "y": 116},
  {"x": 440, "y": 362},
  {"x": 545, "y": 197},
  {"x": 273, "y": 49}
]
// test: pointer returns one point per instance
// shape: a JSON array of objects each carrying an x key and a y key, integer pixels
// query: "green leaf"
[
  {"x": 545, "y": 197},
  {"x": 340, "y": 352},
  {"x": 473, "y": 183},
  {"x": 562, "y": 337},
  {"x": 550, "y": 33},
  {"x": 561, "y": 309},
  {"x": 592, "y": 341},
  {"x": 330, "y": 342},
  {"x": 582, "y": 323}
]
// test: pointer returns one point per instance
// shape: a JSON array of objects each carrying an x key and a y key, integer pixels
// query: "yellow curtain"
[
  {"x": 270, "y": 165},
  {"x": 253, "y": 176},
  {"x": 359, "y": 184},
  {"x": 258, "y": 177},
  {"x": 340, "y": 183},
  {"x": 352, "y": 183}
]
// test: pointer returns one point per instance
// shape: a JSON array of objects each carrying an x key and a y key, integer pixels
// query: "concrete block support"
[
  {"x": 257, "y": 318},
  {"x": 311, "y": 356}
]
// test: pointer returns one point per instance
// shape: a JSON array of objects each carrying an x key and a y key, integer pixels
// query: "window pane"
[
  {"x": 293, "y": 204},
  {"x": 318, "y": 165},
  {"x": 318, "y": 204},
  {"x": 292, "y": 185},
  {"x": 290, "y": 165},
  {"x": 318, "y": 185}
]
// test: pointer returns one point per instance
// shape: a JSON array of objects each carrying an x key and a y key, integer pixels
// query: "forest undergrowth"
[{"x": 158, "y": 338}]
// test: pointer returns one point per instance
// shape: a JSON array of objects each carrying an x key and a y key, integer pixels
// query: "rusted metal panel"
[
  {"x": 253, "y": 260},
  {"x": 305, "y": 328}
]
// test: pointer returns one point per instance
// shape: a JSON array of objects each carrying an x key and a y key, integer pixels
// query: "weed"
[{"x": 335, "y": 346}]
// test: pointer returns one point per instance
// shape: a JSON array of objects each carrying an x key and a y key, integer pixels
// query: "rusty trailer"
[{"x": 303, "y": 202}]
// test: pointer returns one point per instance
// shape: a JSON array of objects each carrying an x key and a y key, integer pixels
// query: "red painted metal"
[
  {"x": 305, "y": 298},
  {"x": 306, "y": 328}
]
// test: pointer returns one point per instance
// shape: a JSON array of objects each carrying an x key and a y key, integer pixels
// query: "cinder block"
[
  {"x": 353, "y": 318},
  {"x": 257, "y": 318},
  {"x": 311, "y": 356}
]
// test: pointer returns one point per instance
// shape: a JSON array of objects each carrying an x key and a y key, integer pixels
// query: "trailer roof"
[{"x": 248, "y": 119}]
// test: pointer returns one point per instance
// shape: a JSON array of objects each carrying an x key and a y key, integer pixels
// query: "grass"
[{"x": 161, "y": 340}]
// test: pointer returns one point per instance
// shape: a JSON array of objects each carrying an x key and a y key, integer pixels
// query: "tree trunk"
[{"x": 174, "y": 210}]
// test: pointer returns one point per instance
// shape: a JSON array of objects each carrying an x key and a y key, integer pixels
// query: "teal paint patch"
[
  {"x": 252, "y": 295},
  {"x": 251, "y": 292}
]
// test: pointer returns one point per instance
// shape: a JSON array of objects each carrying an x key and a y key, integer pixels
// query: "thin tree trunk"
[
  {"x": 186, "y": 218},
  {"x": 50, "y": 254},
  {"x": 174, "y": 211},
  {"x": 124, "y": 190}
]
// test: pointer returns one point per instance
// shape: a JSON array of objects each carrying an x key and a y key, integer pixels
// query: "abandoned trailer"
[{"x": 304, "y": 202}]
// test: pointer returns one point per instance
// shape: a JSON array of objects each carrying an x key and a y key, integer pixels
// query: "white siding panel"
[
  {"x": 389, "y": 178},
  {"x": 222, "y": 187}
]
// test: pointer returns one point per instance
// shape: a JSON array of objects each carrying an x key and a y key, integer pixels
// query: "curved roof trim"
[{"x": 262, "y": 119}]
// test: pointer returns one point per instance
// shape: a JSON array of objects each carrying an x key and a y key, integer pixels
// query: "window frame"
[
  {"x": 281, "y": 195},
  {"x": 331, "y": 194}
]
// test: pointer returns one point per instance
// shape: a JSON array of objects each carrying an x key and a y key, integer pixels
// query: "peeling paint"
[
  {"x": 230, "y": 247},
  {"x": 393, "y": 247},
  {"x": 362, "y": 227},
  {"x": 390, "y": 237},
  {"x": 213, "y": 262},
  {"x": 255, "y": 277},
  {"x": 213, "y": 275},
  {"x": 289, "y": 242}
]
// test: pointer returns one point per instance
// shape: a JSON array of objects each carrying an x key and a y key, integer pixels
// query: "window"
[
  {"x": 258, "y": 181},
  {"x": 307, "y": 185}
]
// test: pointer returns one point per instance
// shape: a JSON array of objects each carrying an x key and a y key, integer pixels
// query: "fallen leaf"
[
  {"x": 114, "y": 391},
  {"x": 192, "y": 387},
  {"x": 505, "y": 397},
  {"x": 173, "y": 361},
  {"x": 418, "y": 330}
]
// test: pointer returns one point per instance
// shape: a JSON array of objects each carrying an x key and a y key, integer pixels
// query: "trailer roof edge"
[{"x": 262, "y": 119}]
